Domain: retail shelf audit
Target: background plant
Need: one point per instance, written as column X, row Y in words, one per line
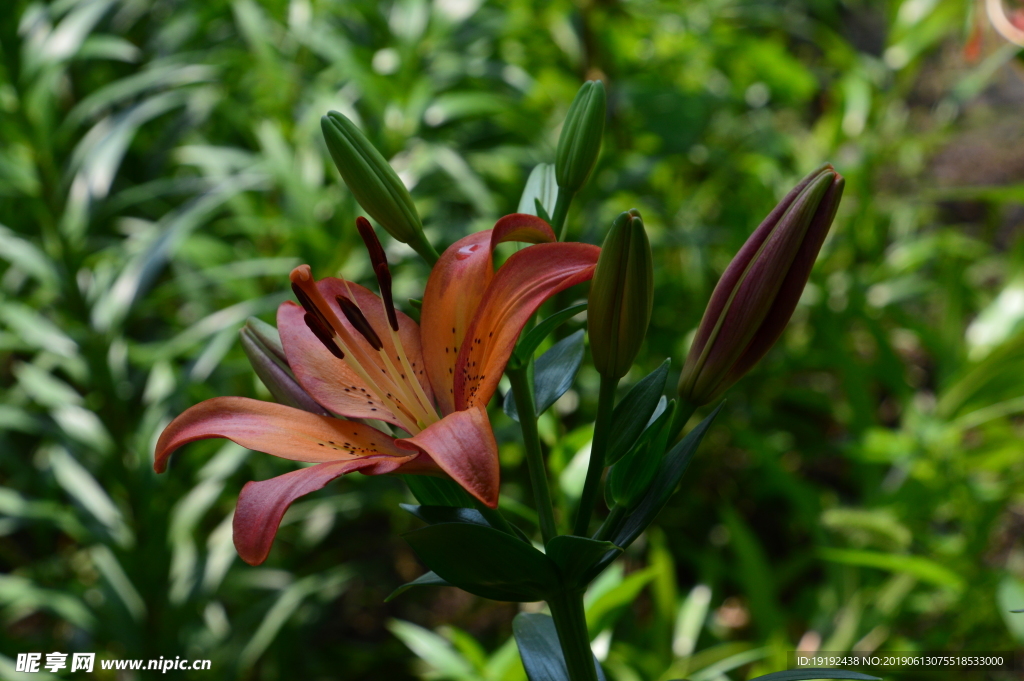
column 162, row 170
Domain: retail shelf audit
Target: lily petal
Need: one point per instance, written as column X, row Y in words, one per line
column 462, row 445
column 275, row 429
column 523, row 283
column 327, row 379
column 454, row 291
column 261, row 505
column 373, row 308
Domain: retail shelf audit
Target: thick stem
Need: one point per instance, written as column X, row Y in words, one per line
column 522, row 389
column 571, row 624
column 561, row 211
column 602, row 428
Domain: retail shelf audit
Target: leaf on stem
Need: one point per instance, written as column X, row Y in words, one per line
column 539, row 649
column 634, row 412
column 428, row 579
column 529, row 343
column 485, row 561
column 576, row 558
column 553, row 374
column 669, row 474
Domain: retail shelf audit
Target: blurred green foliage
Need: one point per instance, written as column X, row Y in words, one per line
column 161, row 171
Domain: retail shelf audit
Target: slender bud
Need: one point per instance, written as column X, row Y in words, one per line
column 759, row 290
column 621, row 296
column 631, row 475
column 374, row 183
column 580, row 141
column 262, row 345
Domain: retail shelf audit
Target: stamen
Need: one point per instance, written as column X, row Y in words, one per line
column 323, row 334
column 358, row 320
column 379, row 261
column 310, row 307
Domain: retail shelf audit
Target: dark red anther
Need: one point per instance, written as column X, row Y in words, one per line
column 356, row 318
column 321, row 332
column 310, row 307
column 379, row 261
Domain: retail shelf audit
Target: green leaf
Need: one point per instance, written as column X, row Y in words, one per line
column 434, row 515
column 669, row 474
column 436, row 651
column 804, row 674
column 576, row 557
column 540, row 192
column 539, row 648
column 633, row 474
column 485, row 561
column 431, row 491
column 606, row 609
column 529, row 343
column 428, row 579
column 553, row 374
column 634, row 412
column 918, row 566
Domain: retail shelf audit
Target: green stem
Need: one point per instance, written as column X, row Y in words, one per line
column 561, row 211
column 522, row 389
column 426, row 250
column 602, row 427
column 571, row 624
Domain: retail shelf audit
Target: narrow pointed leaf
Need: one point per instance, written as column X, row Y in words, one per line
column 669, row 474
column 428, row 579
column 431, row 491
column 576, row 557
column 553, row 374
column 485, row 561
column 542, row 656
column 633, row 413
column 529, row 343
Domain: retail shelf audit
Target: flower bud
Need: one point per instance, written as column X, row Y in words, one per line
column 759, row 290
column 374, row 183
column 621, row 296
column 580, row 141
column 262, row 345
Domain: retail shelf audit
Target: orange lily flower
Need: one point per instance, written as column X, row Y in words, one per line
column 360, row 358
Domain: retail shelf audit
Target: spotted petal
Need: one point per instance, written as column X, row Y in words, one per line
column 462, row 444
column 523, row 283
column 456, row 285
column 275, row 429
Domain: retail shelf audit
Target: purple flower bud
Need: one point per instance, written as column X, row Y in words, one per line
column 759, row 290
column 262, row 345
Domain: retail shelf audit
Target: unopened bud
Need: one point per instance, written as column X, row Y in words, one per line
column 621, row 296
column 759, row 290
column 374, row 183
column 262, row 345
column 580, row 141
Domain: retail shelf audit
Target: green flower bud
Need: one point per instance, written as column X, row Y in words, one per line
column 374, row 183
column 759, row 290
column 262, row 345
column 580, row 141
column 621, row 296
column 631, row 475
